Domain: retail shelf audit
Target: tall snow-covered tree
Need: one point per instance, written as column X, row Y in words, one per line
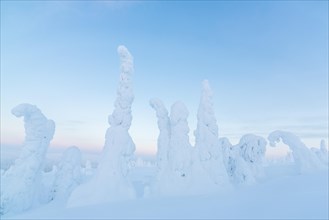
column 207, row 145
column 20, row 183
column 164, row 134
column 180, row 147
column 175, row 177
column 109, row 182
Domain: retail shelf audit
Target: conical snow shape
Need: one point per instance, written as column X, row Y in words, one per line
column 207, row 147
column 109, row 182
column 20, row 183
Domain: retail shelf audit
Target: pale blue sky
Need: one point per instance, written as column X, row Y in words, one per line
column 267, row 62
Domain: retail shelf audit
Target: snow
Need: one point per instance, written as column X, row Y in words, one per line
column 305, row 160
column 174, row 178
column 283, row 196
column 68, row 174
column 211, row 180
column 164, row 135
column 209, row 152
column 20, row 183
column 110, row 177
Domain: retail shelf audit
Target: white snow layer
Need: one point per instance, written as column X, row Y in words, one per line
column 21, row 182
column 109, row 182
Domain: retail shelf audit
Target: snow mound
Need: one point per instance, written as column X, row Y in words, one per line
column 20, row 183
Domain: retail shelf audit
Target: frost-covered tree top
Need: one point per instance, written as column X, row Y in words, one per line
column 122, row 112
column 178, row 113
column 206, row 115
column 164, row 127
column 158, row 106
column 206, row 134
column 36, row 124
column 252, row 147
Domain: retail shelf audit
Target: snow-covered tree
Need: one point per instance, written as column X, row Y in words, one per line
column 68, row 175
column 207, row 145
column 88, row 169
column 164, row 134
column 244, row 161
column 321, row 153
column 180, row 147
column 175, row 177
column 229, row 155
column 304, row 159
column 109, row 182
column 252, row 149
column 21, row 182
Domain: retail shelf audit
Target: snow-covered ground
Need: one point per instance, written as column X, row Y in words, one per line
column 281, row 195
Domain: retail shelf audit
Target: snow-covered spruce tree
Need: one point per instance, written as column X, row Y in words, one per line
column 180, row 148
column 207, row 147
column 305, row 160
column 164, row 134
column 109, row 182
column 321, row 153
column 229, row 156
column 68, row 175
column 252, row 150
column 175, row 177
column 244, row 161
column 21, row 182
